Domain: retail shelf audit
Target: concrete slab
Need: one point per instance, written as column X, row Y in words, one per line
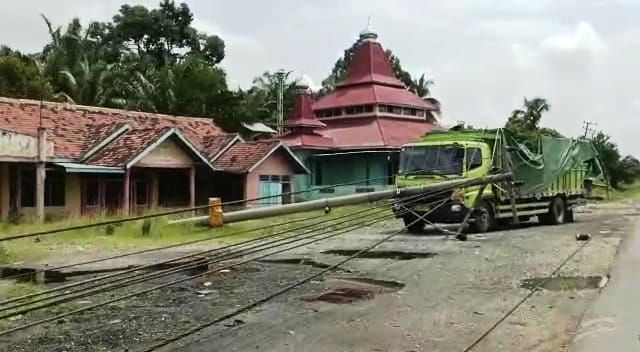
column 612, row 323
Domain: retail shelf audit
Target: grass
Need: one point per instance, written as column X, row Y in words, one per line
column 103, row 241
column 630, row 191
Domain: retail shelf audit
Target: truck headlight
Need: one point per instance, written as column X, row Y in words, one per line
column 456, row 208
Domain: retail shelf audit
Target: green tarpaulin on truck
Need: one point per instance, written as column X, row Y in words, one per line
column 557, row 156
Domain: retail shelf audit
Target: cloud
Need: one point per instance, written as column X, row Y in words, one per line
column 583, row 37
column 485, row 55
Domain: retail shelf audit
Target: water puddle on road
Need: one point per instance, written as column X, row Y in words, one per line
column 563, row 283
column 395, row 255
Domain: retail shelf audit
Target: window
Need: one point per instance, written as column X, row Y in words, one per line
column 406, row 111
column 396, row 110
column 54, row 189
column 368, row 108
column 474, row 158
column 431, row 160
column 274, row 178
column 28, row 187
column 264, row 177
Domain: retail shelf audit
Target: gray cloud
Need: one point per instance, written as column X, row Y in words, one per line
column 485, row 55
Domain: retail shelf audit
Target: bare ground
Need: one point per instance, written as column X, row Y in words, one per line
column 446, row 295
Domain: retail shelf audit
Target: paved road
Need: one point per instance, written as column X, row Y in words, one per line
column 612, row 323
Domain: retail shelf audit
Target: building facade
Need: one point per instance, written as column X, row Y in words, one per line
column 353, row 135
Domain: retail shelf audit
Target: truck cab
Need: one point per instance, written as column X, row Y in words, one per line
column 438, row 158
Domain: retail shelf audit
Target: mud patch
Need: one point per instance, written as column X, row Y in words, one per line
column 395, row 255
column 563, row 283
column 345, row 290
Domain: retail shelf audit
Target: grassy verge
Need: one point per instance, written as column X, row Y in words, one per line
column 105, row 240
column 631, row 191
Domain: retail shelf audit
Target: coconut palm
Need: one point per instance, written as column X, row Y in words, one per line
column 422, row 86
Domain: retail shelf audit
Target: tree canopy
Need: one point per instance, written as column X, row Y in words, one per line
column 143, row 59
column 20, row 76
column 524, row 123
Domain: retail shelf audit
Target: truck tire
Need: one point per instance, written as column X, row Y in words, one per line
column 412, row 225
column 570, row 217
column 483, row 219
column 557, row 213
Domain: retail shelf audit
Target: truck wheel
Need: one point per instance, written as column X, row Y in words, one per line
column 570, row 216
column 557, row 213
column 412, row 225
column 483, row 220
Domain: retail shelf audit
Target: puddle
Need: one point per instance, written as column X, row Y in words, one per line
column 343, row 295
column 563, row 283
column 301, row 261
column 395, row 255
column 385, row 284
column 345, row 290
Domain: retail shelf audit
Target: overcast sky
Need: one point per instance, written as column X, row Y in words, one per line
column 485, row 55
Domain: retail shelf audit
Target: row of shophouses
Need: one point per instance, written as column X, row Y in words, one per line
column 61, row 160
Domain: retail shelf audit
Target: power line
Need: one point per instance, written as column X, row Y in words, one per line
column 200, row 253
column 138, row 278
column 148, row 250
column 174, row 282
column 191, row 265
column 283, row 290
column 523, row 300
column 184, row 210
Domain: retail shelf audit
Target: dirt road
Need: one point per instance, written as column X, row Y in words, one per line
column 414, row 293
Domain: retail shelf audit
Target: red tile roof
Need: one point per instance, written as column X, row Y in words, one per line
column 370, row 64
column 370, row 80
column 71, row 126
column 307, row 140
column 126, row 147
column 215, row 144
column 303, row 115
column 371, row 94
column 243, row 156
column 375, row 132
column 95, row 134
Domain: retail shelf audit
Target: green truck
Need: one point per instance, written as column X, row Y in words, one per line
column 548, row 184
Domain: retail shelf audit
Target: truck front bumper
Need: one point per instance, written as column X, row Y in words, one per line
column 451, row 212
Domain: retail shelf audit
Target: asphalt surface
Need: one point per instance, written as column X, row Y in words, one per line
column 612, row 323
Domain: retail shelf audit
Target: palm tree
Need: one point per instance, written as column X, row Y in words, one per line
column 421, row 86
column 531, row 113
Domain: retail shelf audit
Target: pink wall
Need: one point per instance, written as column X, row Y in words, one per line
column 277, row 164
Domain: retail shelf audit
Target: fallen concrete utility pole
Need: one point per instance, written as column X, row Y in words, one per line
column 217, row 218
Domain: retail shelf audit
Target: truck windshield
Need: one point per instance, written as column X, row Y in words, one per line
column 431, row 160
